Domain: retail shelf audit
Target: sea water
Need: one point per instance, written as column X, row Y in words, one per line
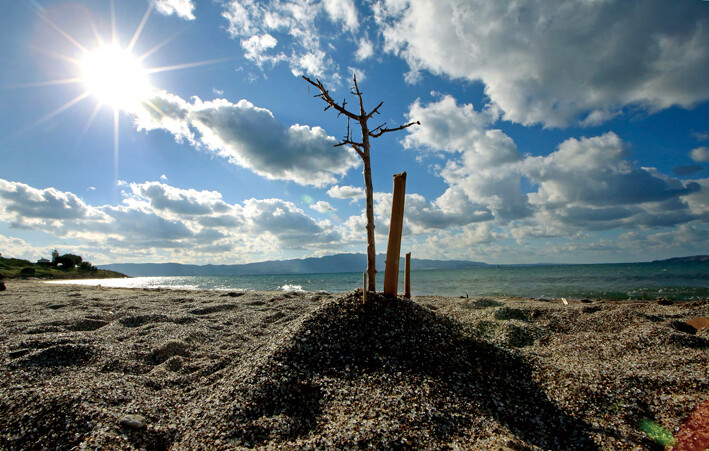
column 676, row 281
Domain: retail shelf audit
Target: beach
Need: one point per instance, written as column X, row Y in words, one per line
column 87, row 367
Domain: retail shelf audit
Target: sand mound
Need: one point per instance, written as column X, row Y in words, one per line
column 387, row 374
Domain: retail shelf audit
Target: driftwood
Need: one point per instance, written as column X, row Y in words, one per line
column 391, row 272
column 362, row 148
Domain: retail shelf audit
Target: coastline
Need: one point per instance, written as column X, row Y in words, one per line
column 169, row 368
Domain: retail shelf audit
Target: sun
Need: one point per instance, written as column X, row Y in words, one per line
column 115, row 77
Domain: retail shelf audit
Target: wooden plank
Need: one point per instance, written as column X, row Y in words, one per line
column 391, row 272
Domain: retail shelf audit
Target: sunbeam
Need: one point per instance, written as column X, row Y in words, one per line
column 104, row 69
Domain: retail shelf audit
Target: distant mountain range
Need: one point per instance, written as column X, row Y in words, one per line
column 330, row 264
column 693, row 258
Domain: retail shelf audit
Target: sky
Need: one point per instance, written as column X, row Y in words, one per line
column 566, row 131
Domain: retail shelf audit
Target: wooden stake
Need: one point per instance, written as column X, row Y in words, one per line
column 364, row 288
column 407, row 277
column 391, row 271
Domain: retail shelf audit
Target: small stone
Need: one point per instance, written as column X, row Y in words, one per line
column 663, row 301
column 2, row 286
column 133, row 421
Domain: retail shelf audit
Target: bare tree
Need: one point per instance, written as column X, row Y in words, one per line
column 362, row 148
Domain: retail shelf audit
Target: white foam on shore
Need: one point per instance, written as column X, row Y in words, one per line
column 296, row 288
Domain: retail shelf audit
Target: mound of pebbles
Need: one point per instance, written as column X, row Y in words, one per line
column 387, row 374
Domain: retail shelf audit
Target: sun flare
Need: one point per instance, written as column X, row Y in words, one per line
column 115, row 77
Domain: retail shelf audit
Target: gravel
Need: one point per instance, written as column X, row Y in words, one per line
column 87, row 368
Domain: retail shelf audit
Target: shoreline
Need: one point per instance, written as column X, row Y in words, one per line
column 172, row 369
column 295, row 283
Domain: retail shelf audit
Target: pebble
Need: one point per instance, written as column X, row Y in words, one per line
column 133, row 421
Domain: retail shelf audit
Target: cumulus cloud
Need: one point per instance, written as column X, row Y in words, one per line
column 594, row 171
column 346, row 192
column 183, row 8
column 294, row 22
column 642, row 54
column 323, row 207
column 180, row 201
column 584, row 184
column 155, row 218
column 27, row 206
column 700, row 154
column 250, row 137
column 487, row 169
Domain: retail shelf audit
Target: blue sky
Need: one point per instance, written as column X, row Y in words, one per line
column 572, row 131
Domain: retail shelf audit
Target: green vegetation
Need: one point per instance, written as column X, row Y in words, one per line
column 66, row 268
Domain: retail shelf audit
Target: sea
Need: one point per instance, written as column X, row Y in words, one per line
column 650, row 281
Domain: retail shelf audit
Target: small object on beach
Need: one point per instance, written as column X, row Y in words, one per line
column 2, row 286
column 565, row 301
column 364, row 288
column 699, row 323
column 663, row 301
column 586, row 301
column 133, row 421
column 100, row 287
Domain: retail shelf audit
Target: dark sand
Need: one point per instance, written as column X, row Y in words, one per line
column 87, row 368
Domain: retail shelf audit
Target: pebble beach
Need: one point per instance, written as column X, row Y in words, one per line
column 86, row 367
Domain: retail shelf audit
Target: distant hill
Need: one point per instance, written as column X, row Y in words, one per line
column 13, row 268
column 693, row 258
column 330, row 264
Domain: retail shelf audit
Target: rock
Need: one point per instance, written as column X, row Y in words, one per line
column 662, row 301
column 586, row 301
column 699, row 323
column 133, row 421
column 2, row 286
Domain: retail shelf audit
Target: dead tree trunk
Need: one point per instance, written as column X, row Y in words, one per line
column 362, row 148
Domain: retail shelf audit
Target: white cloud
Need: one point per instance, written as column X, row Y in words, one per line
column 181, row 202
column 19, row 248
column 256, row 49
column 594, row 172
column 294, row 24
column 163, row 177
column 323, row 207
column 700, row 154
column 156, row 220
column 342, row 11
column 346, row 192
column 488, row 170
column 27, row 206
column 250, row 137
column 641, row 54
column 585, row 184
column 183, row 8
column 364, row 50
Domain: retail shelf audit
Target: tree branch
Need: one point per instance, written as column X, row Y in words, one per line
column 359, row 94
column 375, row 110
column 329, row 100
column 387, row 130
